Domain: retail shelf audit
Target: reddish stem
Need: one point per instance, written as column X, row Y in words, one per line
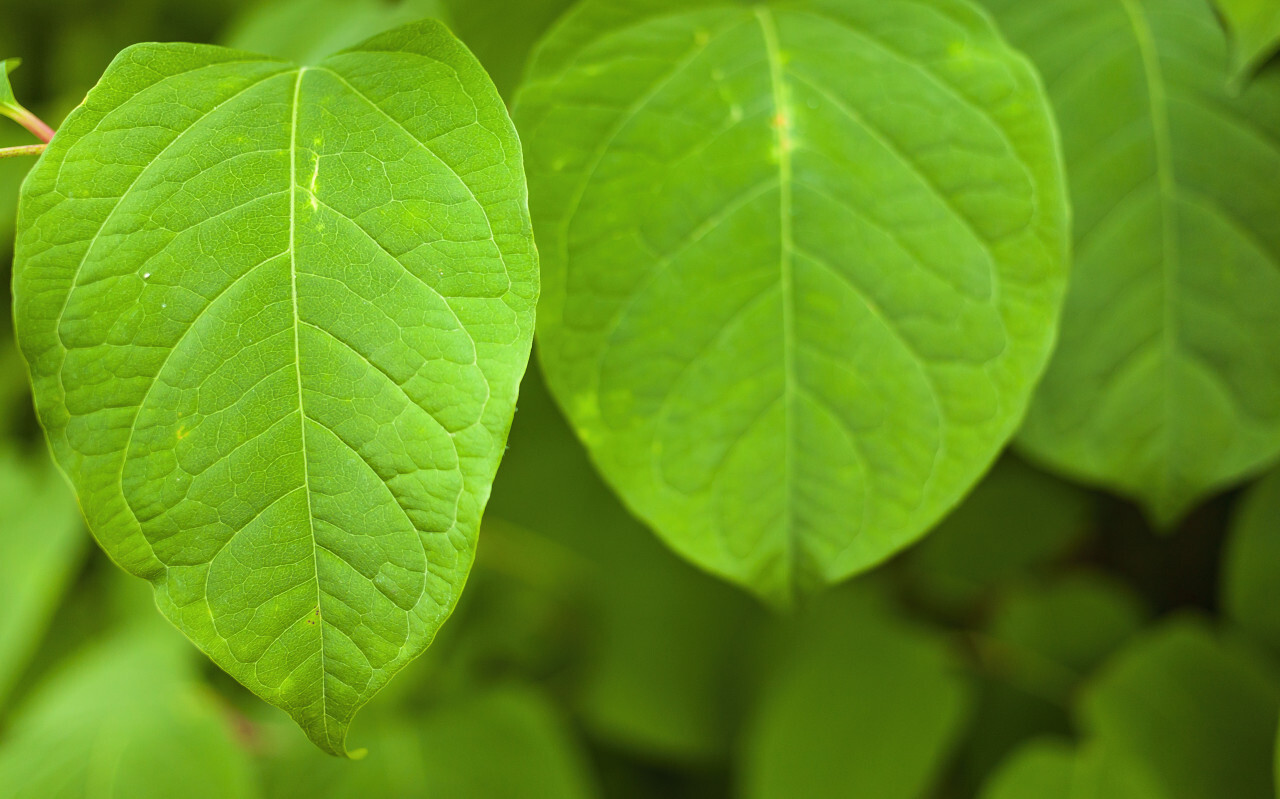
column 34, row 124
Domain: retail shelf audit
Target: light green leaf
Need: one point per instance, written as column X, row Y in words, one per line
column 305, row 31
column 1254, row 26
column 1196, row 711
column 862, row 705
column 1166, row 382
column 41, row 545
column 276, row 320
column 1251, row 565
column 793, row 315
column 125, row 718
column 7, row 100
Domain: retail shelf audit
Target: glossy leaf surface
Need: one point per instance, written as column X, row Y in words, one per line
column 804, row 262
column 276, row 318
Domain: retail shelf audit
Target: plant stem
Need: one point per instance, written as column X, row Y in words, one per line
column 27, row 149
column 36, row 125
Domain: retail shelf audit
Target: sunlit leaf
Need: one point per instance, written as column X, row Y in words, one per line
column 1166, row 382
column 804, row 262
column 276, row 319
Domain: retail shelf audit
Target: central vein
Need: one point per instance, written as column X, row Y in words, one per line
column 782, row 125
column 297, row 363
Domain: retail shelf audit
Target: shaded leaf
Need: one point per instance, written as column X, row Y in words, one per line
column 1166, row 382
column 124, row 718
column 1196, row 711
column 1255, row 35
column 276, row 340
column 1039, row 770
column 305, row 31
column 793, row 319
column 1015, row 521
column 507, row 742
column 1251, row 565
column 42, row 542
column 862, row 705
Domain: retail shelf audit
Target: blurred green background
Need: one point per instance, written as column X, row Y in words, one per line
column 1042, row 631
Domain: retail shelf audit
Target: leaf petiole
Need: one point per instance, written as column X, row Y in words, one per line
column 26, row 149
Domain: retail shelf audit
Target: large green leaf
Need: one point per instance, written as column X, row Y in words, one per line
column 276, row 319
column 1251, row 565
column 1195, row 711
column 504, row 46
column 1255, row 34
column 861, row 705
column 125, row 717
column 804, row 261
column 1166, row 381
column 42, row 543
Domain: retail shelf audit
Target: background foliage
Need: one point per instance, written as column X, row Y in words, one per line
column 1044, row 641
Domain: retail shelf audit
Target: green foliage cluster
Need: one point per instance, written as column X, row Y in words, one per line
column 976, row 302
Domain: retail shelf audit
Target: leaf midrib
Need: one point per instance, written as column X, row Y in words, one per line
column 782, row 124
column 1167, row 182
column 297, row 368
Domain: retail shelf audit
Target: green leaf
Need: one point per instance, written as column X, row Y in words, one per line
column 305, row 31
column 1166, row 383
column 1195, row 710
column 660, row 639
column 123, row 718
column 1251, row 565
column 1039, row 770
column 276, row 319
column 1065, row 628
column 505, row 742
column 7, row 100
column 41, row 545
column 862, row 705
column 1254, row 26
column 1015, row 521
column 793, row 315
column 1049, row 770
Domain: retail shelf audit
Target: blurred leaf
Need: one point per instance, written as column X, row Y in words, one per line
column 255, row 372
column 1017, row 519
column 1251, row 565
column 1255, row 35
column 787, row 377
column 1005, row 716
column 659, row 673
column 862, row 705
column 502, row 33
column 1039, row 770
column 1195, row 710
column 507, row 743
column 1165, row 385
column 124, row 718
column 1051, row 770
column 1056, row 633
column 42, row 543
column 306, row 31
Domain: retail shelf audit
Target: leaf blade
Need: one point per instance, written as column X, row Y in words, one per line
column 283, row 395
column 687, row 187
